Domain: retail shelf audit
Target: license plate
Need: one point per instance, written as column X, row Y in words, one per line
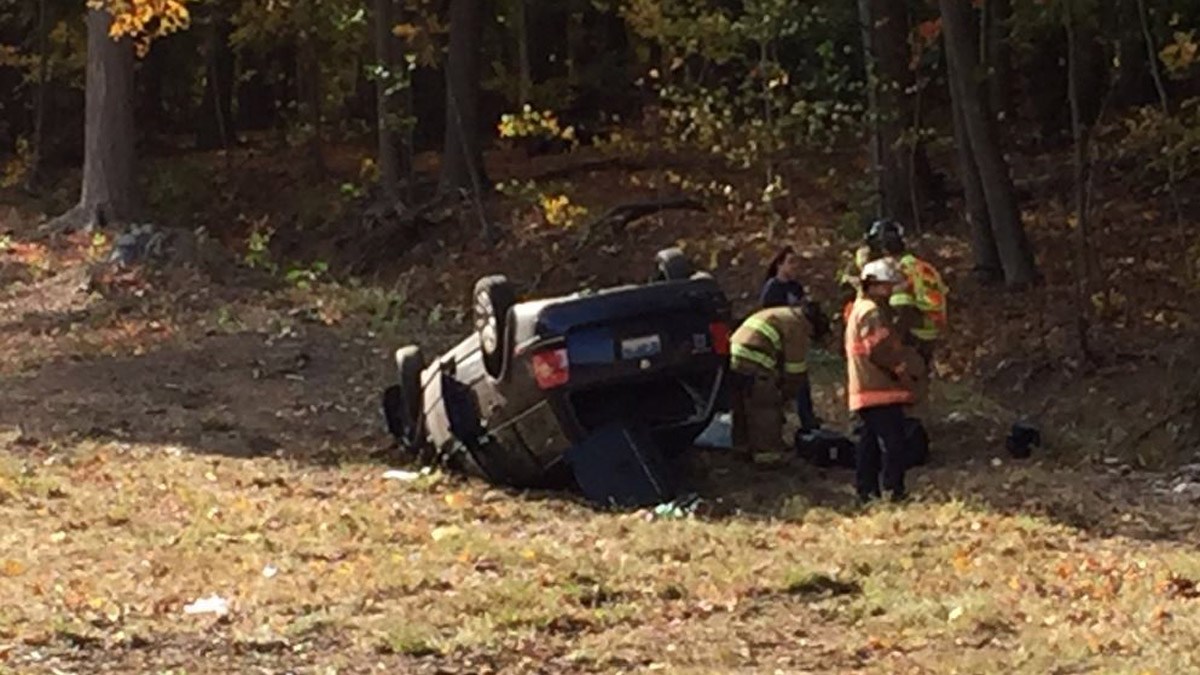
column 641, row 347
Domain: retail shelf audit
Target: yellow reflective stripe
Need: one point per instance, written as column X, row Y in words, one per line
column 928, row 334
column 901, row 299
column 743, row 352
column 766, row 330
column 795, row 367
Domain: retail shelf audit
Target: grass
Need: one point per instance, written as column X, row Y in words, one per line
column 112, row 543
column 328, row 567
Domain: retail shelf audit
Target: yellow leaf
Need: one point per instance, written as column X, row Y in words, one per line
column 440, row 533
column 405, row 31
column 457, row 500
column 12, row 568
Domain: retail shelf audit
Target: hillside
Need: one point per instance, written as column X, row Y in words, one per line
column 175, row 431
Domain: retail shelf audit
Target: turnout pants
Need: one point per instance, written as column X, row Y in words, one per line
column 881, row 450
column 758, row 418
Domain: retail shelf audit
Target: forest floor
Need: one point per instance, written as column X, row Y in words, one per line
column 171, row 434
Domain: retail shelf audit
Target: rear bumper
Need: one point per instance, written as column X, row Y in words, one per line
column 681, row 401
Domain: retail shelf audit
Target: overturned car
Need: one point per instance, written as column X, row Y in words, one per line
column 604, row 387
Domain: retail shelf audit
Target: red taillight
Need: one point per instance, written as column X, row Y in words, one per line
column 551, row 368
column 720, row 337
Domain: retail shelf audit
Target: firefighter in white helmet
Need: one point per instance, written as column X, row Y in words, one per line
column 882, row 377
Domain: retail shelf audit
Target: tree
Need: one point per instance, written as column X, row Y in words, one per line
column 462, row 153
column 890, row 81
column 114, row 32
column 893, row 82
column 386, row 65
column 983, row 243
column 108, row 193
column 215, row 120
column 1012, row 244
column 998, row 52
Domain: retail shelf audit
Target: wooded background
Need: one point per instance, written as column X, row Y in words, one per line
column 751, row 83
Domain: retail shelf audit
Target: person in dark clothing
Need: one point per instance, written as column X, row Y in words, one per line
column 782, row 288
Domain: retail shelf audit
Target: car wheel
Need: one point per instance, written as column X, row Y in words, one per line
column 405, row 418
column 494, row 296
column 672, row 265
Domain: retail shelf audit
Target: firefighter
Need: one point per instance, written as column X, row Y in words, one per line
column 849, row 280
column 880, row 382
column 781, row 288
column 919, row 304
column 769, row 366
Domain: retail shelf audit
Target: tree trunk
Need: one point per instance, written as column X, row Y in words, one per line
column 39, row 103
column 216, row 124
column 308, row 90
column 462, row 153
column 525, row 83
column 1016, row 255
column 999, row 58
column 983, row 242
column 109, row 192
column 902, row 196
column 385, row 113
column 875, row 152
column 1084, row 273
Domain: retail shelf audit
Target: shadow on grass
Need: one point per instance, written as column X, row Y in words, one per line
column 313, row 398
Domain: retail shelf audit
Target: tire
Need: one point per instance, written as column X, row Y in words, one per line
column 493, row 297
column 406, row 415
column 672, row 265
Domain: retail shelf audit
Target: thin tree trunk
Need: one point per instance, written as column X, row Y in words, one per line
column 983, row 242
column 385, row 114
column 39, row 105
column 109, row 192
column 462, row 156
column 1165, row 106
column 308, row 85
column 216, row 124
column 999, row 58
column 902, row 191
column 1016, row 254
column 875, row 151
column 1085, row 270
column 408, row 150
column 525, row 84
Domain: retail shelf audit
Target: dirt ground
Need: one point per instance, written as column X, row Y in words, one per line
column 165, row 436
column 174, row 432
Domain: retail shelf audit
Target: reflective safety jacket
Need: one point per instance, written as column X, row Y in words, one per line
column 878, row 362
column 924, row 297
column 773, row 341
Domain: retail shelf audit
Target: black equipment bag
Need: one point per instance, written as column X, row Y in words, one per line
column 825, row 448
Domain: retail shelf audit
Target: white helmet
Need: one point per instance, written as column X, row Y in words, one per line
column 884, row 270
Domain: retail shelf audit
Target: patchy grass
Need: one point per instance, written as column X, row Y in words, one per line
column 106, row 543
column 216, row 441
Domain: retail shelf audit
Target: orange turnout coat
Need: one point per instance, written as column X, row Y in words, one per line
column 880, row 366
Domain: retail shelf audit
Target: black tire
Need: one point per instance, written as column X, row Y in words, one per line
column 493, row 298
column 672, row 265
column 406, row 417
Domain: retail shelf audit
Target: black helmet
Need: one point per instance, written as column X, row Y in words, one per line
column 817, row 318
column 886, row 236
